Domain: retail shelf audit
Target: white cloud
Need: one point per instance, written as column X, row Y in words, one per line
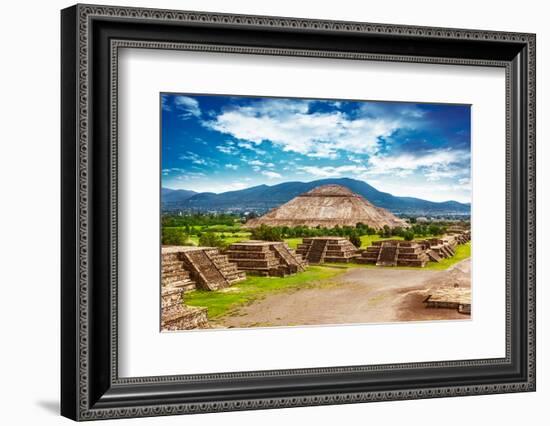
column 187, row 107
column 194, row 158
column 290, row 125
column 260, row 163
column 164, row 103
column 435, row 163
column 432, row 192
column 331, row 171
column 435, row 174
column 270, row 174
column 226, row 149
column 190, row 176
column 251, row 147
column 231, row 166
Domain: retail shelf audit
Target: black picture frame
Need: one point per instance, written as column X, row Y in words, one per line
column 90, row 386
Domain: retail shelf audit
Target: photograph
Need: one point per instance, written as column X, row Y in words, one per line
column 279, row 212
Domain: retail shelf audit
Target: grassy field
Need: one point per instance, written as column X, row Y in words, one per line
column 223, row 302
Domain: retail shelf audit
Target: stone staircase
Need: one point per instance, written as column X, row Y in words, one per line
column 227, row 269
column 174, row 273
column 289, row 258
column 203, row 266
column 327, row 249
column 388, row 255
column 317, row 251
column 433, row 256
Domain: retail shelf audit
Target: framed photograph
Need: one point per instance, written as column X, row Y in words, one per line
column 263, row 212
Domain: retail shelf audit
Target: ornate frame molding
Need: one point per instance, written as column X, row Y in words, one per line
column 78, row 24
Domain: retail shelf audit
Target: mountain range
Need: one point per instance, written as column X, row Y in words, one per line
column 265, row 197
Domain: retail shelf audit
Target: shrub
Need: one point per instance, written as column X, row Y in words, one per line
column 408, row 235
column 355, row 239
column 267, row 233
column 210, row 239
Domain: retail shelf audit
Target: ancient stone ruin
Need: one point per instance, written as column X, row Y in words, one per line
column 177, row 316
column 327, row 249
column 175, row 281
column 462, row 235
column 265, row 258
column 413, row 253
column 186, row 269
column 328, row 206
column 444, row 247
column 207, row 267
column 458, row 298
column 395, row 253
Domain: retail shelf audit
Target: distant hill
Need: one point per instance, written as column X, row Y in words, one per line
column 176, row 196
column 265, row 197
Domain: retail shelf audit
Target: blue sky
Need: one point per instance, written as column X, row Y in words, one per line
column 219, row 143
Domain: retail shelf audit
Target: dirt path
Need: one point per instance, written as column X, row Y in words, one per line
column 361, row 295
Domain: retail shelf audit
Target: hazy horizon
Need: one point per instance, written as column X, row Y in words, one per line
column 295, row 181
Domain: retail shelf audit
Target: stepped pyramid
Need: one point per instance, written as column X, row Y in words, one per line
column 327, row 249
column 175, row 281
column 205, row 266
column 266, row 258
column 396, row 253
column 328, row 206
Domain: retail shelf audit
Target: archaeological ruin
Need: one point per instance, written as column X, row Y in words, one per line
column 445, row 246
column 188, row 268
column 458, row 298
column 328, row 206
column 265, row 258
column 177, row 316
column 327, row 249
column 413, row 253
column 395, row 253
column 206, row 266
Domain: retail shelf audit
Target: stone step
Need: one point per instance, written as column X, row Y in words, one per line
column 236, row 277
column 173, row 266
column 174, row 279
column 170, row 257
column 185, row 285
column 173, row 272
column 365, row 260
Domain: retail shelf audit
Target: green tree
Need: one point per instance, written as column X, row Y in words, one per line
column 174, row 237
column 408, row 235
column 355, row 239
column 267, row 233
column 211, row 239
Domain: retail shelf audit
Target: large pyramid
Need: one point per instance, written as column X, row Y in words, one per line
column 328, row 206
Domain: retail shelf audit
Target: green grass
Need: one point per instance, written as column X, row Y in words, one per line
column 367, row 240
column 293, row 242
column 222, row 302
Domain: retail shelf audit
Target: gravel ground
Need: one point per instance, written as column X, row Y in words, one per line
column 361, row 295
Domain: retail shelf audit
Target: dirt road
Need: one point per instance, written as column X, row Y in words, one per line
column 360, row 295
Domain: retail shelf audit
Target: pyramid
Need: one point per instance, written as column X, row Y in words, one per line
column 328, row 206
